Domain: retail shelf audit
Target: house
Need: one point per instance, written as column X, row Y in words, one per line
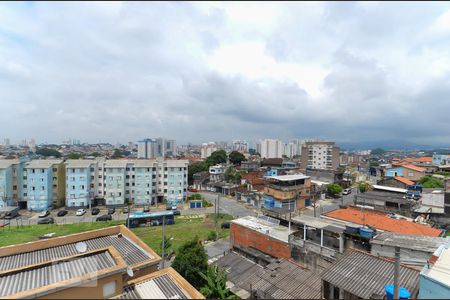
column 407, row 171
column 253, row 180
column 382, row 221
column 272, row 162
column 415, row 249
column 396, row 181
column 359, row 275
column 291, row 192
column 81, row 182
column 217, row 173
column 435, row 277
column 250, row 165
column 200, row 180
column 93, row 264
column 263, row 233
column 46, row 184
column 280, row 279
column 388, row 199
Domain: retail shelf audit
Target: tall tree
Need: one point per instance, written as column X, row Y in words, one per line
column 191, row 260
column 236, row 157
column 196, row 167
column 217, row 157
column 48, row 152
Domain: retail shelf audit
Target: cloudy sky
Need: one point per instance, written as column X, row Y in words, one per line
column 350, row 72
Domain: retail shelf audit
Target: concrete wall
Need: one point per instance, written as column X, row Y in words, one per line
column 430, row 289
column 244, row 237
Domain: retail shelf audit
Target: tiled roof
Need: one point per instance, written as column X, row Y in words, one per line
column 381, row 221
column 366, row 276
column 415, row 168
column 419, row 159
column 404, row 180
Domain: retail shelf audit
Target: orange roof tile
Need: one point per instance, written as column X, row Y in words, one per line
column 419, row 159
column 415, row 168
column 381, row 221
column 404, row 180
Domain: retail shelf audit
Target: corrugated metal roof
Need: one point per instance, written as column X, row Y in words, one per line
column 365, row 275
column 281, row 279
column 408, row 241
column 42, row 163
column 130, row 252
column 5, row 163
column 33, row 278
column 161, row 287
column 79, row 163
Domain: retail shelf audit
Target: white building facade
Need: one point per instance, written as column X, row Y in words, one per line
column 271, row 148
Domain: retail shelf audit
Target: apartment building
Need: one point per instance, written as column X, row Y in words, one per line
column 207, row 149
column 144, row 185
column 320, row 155
column 11, row 182
column 271, row 148
column 156, row 147
column 117, row 181
column 287, row 192
column 174, row 187
column 146, row 148
column 82, row 182
column 241, row 146
column 293, row 148
column 46, row 184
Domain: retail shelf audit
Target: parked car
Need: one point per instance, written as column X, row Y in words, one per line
column 111, row 210
column 104, row 218
column 80, row 212
column 125, row 210
column 176, row 212
column 146, row 209
column 225, row 224
column 48, row 220
column 347, row 191
column 194, row 190
column 62, row 213
column 12, row 214
column 44, row 214
column 95, row 211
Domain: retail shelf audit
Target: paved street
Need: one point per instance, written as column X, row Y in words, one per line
column 229, row 206
column 328, row 205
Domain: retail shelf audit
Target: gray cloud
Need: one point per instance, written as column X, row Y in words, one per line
column 123, row 71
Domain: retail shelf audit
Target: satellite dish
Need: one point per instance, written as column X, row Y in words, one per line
column 81, row 247
column 130, row 272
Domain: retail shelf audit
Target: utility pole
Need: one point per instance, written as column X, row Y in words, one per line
column 163, row 240
column 314, row 198
column 217, row 212
column 396, row 272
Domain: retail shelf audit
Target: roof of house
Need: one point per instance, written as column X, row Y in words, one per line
column 439, row 266
column 404, row 180
column 264, row 227
column 366, row 276
column 381, row 221
column 42, row 163
column 79, row 163
column 116, row 163
column 413, row 167
column 289, row 177
column 41, row 279
column 281, row 279
column 144, row 163
column 133, row 251
column 389, row 189
column 318, row 223
column 163, row 284
column 407, row 241
column 5, row 163
column 272, row 162
column 426, row 159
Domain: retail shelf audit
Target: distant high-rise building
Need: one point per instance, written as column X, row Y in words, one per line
column 271, row 148
column 322, row 155
column 146, row 148
column 207, row 149
column 32, row 145
column 156, row 147
column 293, row 148
column 6, row 142
column 241, row 146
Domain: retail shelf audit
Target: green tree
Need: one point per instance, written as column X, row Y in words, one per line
column 378, row 151
column 215, row 284
column 48, row 152
column 334, row 189
column 363, row 187
column 429, row 181
column 96, row 154
column 217, row 157
column 74, row 155
column 232, row 176
column 196, row 167
column 117, row 154
column 167, row 244
column 191, row 259
column 236, row 157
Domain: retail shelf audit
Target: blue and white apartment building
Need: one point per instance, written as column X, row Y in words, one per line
column 81, row 182
column 11, row 182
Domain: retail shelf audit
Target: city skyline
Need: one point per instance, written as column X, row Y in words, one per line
column 209, row 71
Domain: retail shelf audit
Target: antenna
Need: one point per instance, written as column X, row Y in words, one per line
column 130, row 272
column 81, row 247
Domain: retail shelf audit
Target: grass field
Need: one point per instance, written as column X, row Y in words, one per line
column 185, row 228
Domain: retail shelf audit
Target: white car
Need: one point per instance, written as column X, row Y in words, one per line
column 347, row 191
column 80, row 212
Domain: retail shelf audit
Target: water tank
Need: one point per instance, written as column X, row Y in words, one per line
column 366, row 232
column 352, row 229
column 402, row 292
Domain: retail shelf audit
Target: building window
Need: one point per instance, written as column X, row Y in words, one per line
column 42, row 188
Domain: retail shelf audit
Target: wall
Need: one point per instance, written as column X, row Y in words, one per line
column 59, row 192
column 144, row 183
column 114, row 186
column 77, row 186
column 6, row 183
column 39, row 199
column 241, row 236
column 391, row 172
column 412, row 174
column 430, row 289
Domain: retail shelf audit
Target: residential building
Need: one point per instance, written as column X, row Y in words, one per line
column 441, row 159
column 250, row 165
column 396, row 181
column 207, row 149
column 415, row 250
column 359, row 275
column 81, row 182
column 263, row 233
column 381, row 221
column 272, row 162
column 407, row 171
column 106, row 263
column 217, row 173
column 117, row 174
column 293, row 148
column 174, row 187
column 238, row 145
column 271, row 148
column 287, row 192
column 170, row 148
column 387, row 199
column 46, row 184
column 147, row 148
column 200, row 180
column 435, row 276
column 156, row 147
column 279, row 279
column 11, row 181
column 320, row 155
column 144, row 185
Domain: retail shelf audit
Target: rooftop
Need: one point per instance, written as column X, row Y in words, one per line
column 42, row 163
column 163, row 284
column 439, row 270
column 433, row 199
column 415, row 168
column 318, row 223
column 413, row 242
column 365, row 275
column 289, row 177
column 404, row 180
column 265, row 227
column 389, row 189
column 116, row 163
column 134, row 252
column 144, row 163
column 381, row 221
column 79, row 163
column 5, row 163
